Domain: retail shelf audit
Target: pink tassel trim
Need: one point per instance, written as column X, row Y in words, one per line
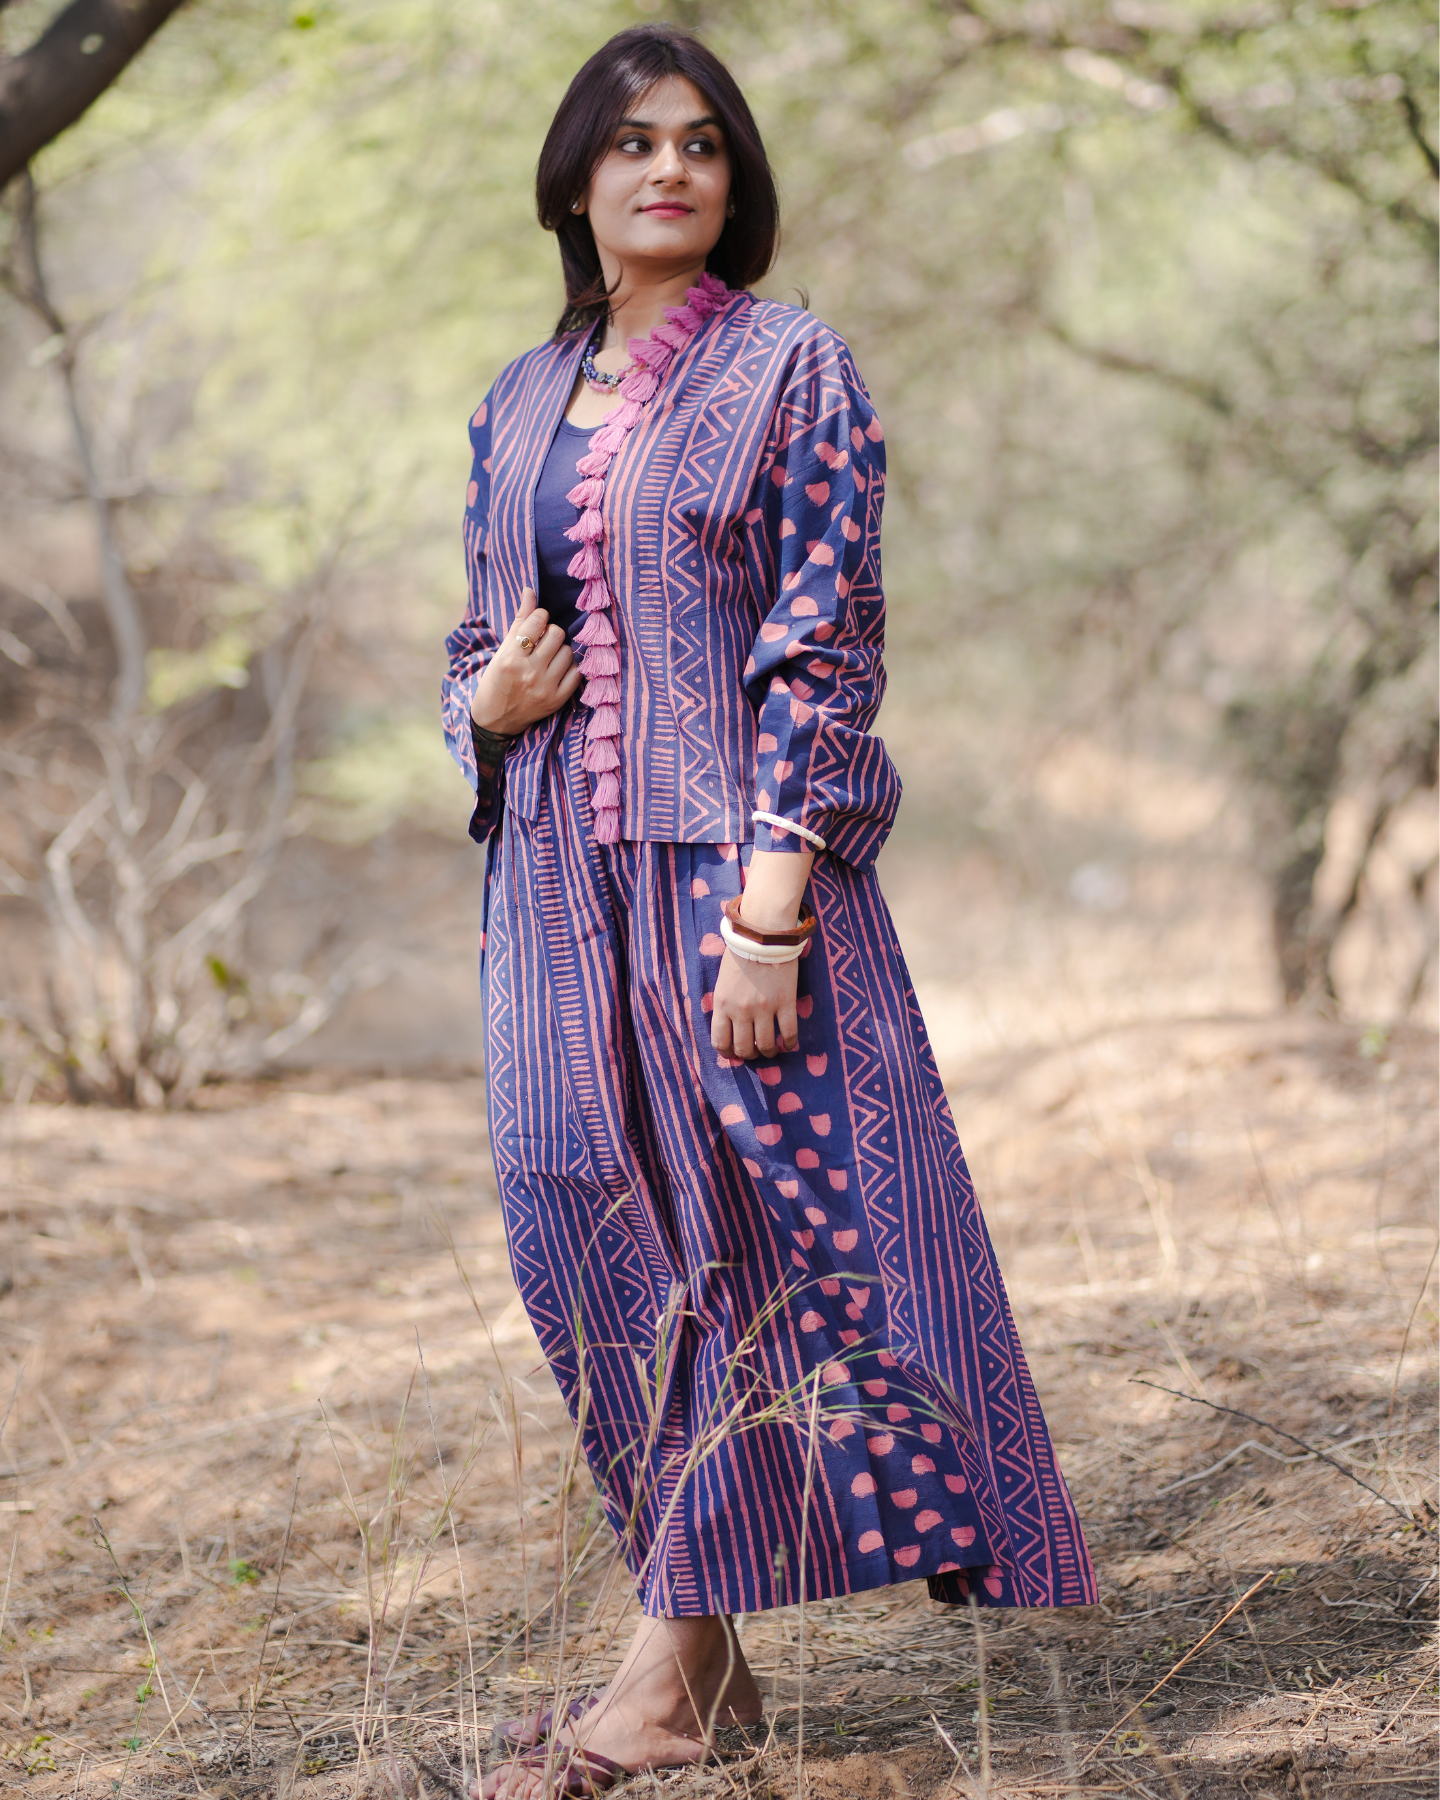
column 639, row 387
column 594, row 596
column 597, row 629
column 600, row 754
column 652, row 357
column 604, row 722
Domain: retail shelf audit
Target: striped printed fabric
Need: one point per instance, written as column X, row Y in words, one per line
column 765, row 1288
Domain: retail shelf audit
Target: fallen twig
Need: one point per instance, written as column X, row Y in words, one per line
column 1290, row 1437
column 1395, row 1718
column 1175, row 1670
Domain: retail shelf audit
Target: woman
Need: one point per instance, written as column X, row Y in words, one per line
column 737, row 1209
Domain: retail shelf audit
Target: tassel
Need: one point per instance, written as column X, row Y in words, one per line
column 602, row 660
column 605, row 722
column 586, row 564
column 672, row 335
column 599, row 754
column 589, row 528
column 593, row 464
column 684, row 318
column 607, row 793
column 597, row 629
column 608, row 438
column 625, row 415
column 639, row 387
column 607, row 826
column 589, row 493
column 594, row 597
column 604, row 690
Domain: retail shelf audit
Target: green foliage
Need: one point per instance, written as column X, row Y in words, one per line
column 1145, row 294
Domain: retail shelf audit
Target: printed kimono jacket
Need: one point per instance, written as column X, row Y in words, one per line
column 743, row 552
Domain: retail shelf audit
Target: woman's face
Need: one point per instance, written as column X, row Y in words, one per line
column 658, row 199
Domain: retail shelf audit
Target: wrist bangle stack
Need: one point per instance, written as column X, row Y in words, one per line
column 752, row 945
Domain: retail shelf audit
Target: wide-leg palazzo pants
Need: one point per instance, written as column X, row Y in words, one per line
column 765, row 1288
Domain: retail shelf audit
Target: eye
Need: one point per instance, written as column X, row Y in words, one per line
column 702, row 146
column 634, row 141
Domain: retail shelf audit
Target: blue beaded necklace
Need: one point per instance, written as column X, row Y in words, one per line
column 597, row 378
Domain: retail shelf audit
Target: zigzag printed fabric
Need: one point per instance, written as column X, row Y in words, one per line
column 765, row 1289
column 741, row 553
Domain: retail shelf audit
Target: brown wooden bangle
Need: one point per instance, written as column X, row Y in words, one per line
column 805, row 929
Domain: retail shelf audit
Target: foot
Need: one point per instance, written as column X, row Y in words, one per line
column 681, row 1679
column 526, row 1731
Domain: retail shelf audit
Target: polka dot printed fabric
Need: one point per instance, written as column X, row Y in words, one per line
column 892, row 1447
column 717, row 1253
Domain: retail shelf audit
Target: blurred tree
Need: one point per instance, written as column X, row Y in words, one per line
column 1149, row 293
column 1145, row 293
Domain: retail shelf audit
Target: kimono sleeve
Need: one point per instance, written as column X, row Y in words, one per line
column 473, row 642
column 816, row 675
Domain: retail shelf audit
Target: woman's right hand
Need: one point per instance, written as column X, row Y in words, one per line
column 521, row 686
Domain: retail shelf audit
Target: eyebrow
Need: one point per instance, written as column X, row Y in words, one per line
column 648, row 125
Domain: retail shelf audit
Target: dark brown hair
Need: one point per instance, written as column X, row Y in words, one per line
column 581, row 132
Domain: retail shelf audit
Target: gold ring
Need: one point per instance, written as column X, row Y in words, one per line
column 527, row 644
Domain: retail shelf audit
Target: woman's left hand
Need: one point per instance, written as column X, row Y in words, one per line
column 754, row 1008
column 754, row 1012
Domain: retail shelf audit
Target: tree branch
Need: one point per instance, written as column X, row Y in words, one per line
column 46, row 88
column 122, row 611
column 1120, row 363
column 1416, row 126
column 1290, row 1437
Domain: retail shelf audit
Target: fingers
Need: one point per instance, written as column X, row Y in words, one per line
column 788, row 1021
column 765, row 1034
column 551, row 645
column 532, row 622
column 529, row 603
column 742, row 1033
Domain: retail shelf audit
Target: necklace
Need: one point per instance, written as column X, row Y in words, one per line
column 637, row 383
column 597, row 378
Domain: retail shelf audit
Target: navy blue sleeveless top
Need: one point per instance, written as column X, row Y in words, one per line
column 554, row 515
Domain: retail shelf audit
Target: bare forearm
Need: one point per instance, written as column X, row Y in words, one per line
column 774, row 888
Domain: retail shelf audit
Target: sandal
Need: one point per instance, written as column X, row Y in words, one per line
column 510, row 1733
column 576, row 1774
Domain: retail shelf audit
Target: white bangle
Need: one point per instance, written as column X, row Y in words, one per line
column 767, row 818
column 749, row 951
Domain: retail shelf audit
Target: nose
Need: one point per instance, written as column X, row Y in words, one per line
column 667, row 164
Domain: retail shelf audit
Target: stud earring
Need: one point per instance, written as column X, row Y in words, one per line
column 730, row 210
column 575, row 206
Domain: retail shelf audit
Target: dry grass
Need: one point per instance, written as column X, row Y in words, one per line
column 256, row 1548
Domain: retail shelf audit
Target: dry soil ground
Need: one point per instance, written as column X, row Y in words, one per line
column 256, row 1548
